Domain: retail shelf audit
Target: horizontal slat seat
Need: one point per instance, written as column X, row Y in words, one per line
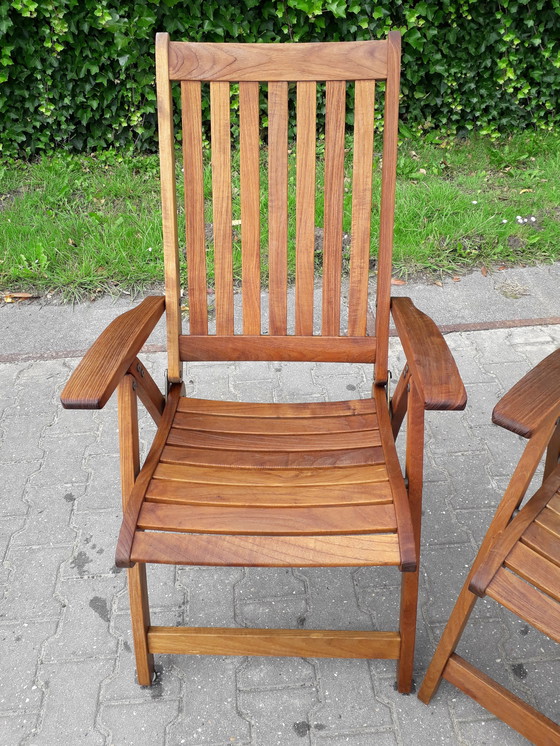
column 266, row 551
column 265, row 477
column 534, row 568
column 275, row 426
column 352, row 519
column 247, row 472
column 535, row 607
column 262, row 442
column 162, row 490
column 274, row 459
column 283, row 410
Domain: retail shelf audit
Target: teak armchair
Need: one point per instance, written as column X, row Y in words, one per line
column 518, row 564
column 294, row 484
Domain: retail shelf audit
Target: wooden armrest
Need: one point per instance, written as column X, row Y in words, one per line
column 428, row 357
column 532, row 400
column 111, row 355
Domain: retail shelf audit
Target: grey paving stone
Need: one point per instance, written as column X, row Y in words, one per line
column 347, row 700
column 72, row 690
column 488, row 730
column 210, row 593
column 56, row 470
column 278, row 717
column 21, row 437
column 87, row 605
column 93, row 551
column 32, row 581
column 204, row 720
column 20, row 649
column 14, row 477
column 332, row 600
column 136, row 723
column 16, row 727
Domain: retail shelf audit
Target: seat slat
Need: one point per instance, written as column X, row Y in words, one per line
column 554, row 504
column 278, row 206
column 266, row 551
column 294, row 478
column 334, row 189
column 279, row 460
column 234, row 62
column 535, row 569
column 305, row 205
column 550, row 520
column 527, row 602
column 194, row 207
column 275, row 411
column 221, row 193
column 351, row 519
column 275, row 426
column 361, row 206
column 263, row 443
column 250, row 206
column 167, row 491
column 543, row 542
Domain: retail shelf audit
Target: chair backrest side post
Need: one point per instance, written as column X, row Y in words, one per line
column 388, row 186
column 168, row 207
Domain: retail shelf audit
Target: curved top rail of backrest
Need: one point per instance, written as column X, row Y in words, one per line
column 358, row 60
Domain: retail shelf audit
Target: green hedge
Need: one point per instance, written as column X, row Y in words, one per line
column 79, row 73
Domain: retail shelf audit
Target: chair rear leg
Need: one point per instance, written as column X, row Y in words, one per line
column 410, row 580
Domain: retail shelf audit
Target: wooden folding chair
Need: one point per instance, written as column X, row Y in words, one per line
column 294, row 484
column 518, row 564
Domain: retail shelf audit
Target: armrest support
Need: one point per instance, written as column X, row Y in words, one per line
column 428, row 357
column 111, row 355
column 532, row 400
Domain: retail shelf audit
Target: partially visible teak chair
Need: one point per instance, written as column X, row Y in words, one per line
column 294, row 484
column 518, row 564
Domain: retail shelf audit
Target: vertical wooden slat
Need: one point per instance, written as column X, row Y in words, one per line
column 137, row 582
column 388, row 184
column 334, row 190
column 194, row 206
column 168, row 206
column 278, row 206
column 221, row 193
column 305, row 205
column 361, row 206
column 250, row 206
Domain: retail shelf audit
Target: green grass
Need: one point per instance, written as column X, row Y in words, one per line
column 91, row 224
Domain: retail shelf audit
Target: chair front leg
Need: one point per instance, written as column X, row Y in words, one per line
column 409, row 588
column 137, row 582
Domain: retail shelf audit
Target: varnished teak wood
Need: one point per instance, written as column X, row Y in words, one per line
column 279, row 485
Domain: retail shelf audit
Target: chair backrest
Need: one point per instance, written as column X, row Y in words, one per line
column 246, row 66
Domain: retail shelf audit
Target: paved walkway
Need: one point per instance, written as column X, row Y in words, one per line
column 65, row 645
